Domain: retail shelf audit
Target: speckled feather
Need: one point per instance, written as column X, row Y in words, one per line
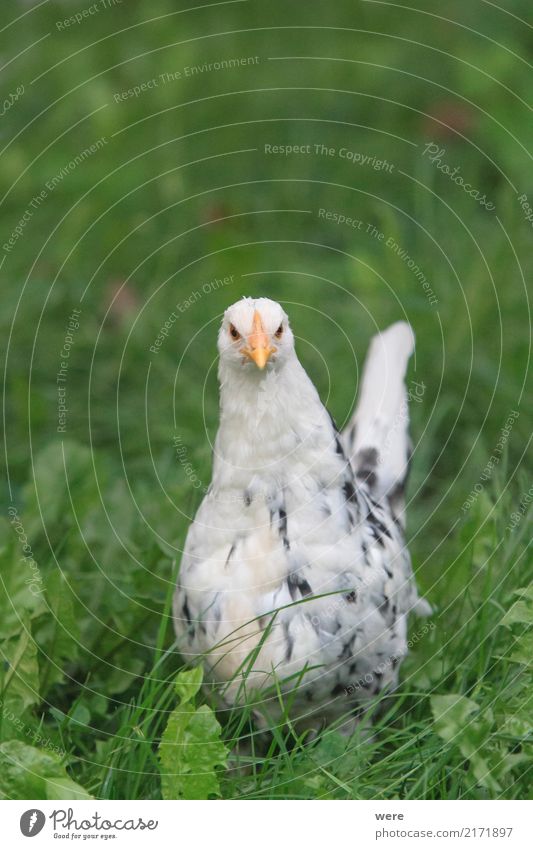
column 295, row 568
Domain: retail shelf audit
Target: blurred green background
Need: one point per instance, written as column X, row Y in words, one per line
column 137, row 169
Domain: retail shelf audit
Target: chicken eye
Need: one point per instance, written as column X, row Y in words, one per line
column 234, row 333
column 279, row 332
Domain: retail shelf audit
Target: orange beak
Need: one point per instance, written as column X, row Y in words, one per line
column 258, row 348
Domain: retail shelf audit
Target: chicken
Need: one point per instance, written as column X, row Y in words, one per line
column 295, row 577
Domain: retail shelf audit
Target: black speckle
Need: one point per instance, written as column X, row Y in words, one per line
column 282, row 519
column 280, row 515
column 290, row 641
column 304, row 587
column 186, row 611
column 351, row 596
column 384, row 606
column 349, row 491
column 297, row 582
column 377, row 536
column 338, row 444
column 377, row 528
column 230, row 554
column 248, row 498
column 347, row 650
column 368, row 477
column 366, row 462
column 187, row 616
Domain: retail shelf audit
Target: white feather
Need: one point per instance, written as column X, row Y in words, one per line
column 381, row 419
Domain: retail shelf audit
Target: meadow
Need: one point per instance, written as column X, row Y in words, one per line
column 361, row 162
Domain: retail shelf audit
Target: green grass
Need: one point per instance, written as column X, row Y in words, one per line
column 183, row 195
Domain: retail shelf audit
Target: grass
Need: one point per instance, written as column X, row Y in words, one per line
column 181, row 193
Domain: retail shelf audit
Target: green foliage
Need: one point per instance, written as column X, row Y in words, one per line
column 496, row 738
column 521, row 610
column 191, row 750
column 30, row 773
column 57, row 633
column 19, row 592
column 458, row 721
column 20, row 679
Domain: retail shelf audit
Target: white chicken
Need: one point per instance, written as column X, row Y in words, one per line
column 295, row 578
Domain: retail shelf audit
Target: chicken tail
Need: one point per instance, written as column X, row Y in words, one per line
column 377, row 437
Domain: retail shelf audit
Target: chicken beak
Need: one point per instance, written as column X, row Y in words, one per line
column 258, row 348
column 260, row 356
